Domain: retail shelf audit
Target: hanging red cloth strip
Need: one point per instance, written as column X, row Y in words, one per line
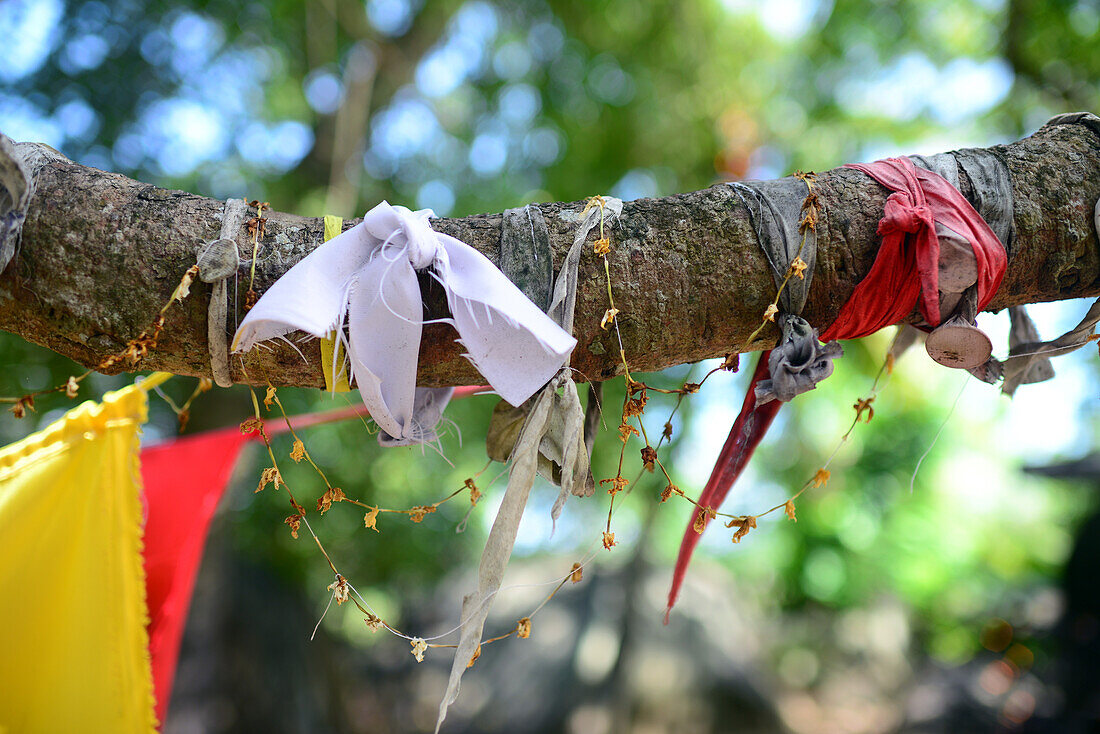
column 906, row 269
column 184, row 481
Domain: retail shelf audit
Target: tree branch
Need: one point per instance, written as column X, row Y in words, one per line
column 101, row 253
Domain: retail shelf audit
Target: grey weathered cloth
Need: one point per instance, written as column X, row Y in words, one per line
column 775, row 210
column 217, row 261
column 1025, row 359
column 15, row 192
column 525, row 255
column 797, row 363
column 550, row 439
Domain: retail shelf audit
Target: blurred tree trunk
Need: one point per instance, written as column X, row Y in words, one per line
column 101, row 254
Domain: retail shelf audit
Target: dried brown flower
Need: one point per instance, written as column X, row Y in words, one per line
column 602, row 246
column 798, row 268
column 618, row 484
column 608, row 318
column 269, row 398
column 332, row 494
column 608, row 540
column 72, row 387
column 270, row 475
column 821, row 478
column 626, row 430
column 743, row 525
column 295, row 523
column 474, row 657
column 417, row 513
column 373, row 623
column 370, row 520
column 298, row 450
column 770, row 312
column 864, row 405
column 419, row 647
column 475, row 493
column 251, row 425
column 25, row 403
column 577, row 573
column 523, row 628
column 704, row 516
column 339, row 589
column 649, row 457
column 789, row 509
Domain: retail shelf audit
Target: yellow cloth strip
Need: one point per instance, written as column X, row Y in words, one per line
column 74, row 652
column 330, row 348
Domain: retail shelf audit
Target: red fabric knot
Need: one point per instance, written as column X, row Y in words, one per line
column 901, row 215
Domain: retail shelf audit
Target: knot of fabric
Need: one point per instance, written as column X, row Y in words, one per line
column 906, row 271
column 901, row 215
column 365, row 279
column 411, row 234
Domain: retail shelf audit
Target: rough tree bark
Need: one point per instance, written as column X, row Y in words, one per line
column 100, row 254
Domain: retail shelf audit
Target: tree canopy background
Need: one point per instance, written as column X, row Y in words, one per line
column 885, row 607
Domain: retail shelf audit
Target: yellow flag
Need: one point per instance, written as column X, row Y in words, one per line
column 330, row 348
column 73, row 643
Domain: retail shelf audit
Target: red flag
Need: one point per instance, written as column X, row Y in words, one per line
column 184, row 481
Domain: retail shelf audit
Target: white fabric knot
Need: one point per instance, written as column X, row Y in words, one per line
column 366, row 279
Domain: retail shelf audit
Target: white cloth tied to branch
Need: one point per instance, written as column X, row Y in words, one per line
column 366, row 278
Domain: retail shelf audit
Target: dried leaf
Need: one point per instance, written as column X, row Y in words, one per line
column 523, row 628
column 298, row 451
column 370, row 520
column 417, row 513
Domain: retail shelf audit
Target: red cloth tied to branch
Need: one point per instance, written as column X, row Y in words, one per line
column 905, row 274
column 907, row 265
